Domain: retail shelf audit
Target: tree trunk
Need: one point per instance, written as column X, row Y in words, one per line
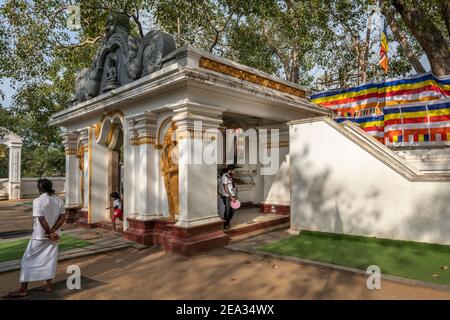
column 401, row 38
column 428, row 35
column 295, row 65
column 445, row 10
column 365, row 60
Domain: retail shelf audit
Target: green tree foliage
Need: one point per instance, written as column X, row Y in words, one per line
column 429, row 22
column 40, row 56
column 3, row 162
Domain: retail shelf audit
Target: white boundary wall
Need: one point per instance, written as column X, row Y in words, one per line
column 28, row 187
column 343, row 181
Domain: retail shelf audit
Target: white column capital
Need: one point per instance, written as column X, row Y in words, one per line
column 69, row 136
column 84, row 136
column 70, row 141
column 14, row 144
column 187, row 114
column 144, row 124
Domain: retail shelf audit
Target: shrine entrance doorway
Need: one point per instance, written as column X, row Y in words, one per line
column 110, row 138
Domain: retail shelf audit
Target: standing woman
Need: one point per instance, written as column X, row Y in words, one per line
column 40, row 257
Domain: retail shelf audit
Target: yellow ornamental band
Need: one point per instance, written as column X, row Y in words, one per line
column 250, row 77
column 70, row 152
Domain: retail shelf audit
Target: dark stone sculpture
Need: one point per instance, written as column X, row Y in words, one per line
column 112, row 78
column 156, row 45
column 121, row 58
column 80, row 93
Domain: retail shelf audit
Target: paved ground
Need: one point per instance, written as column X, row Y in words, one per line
column 220, row 274
column 101, row 241
column 16, row 223
column 15, row 219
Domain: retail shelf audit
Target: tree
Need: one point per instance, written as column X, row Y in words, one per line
column 422, row 19
column 4, row 162
column 41, row 56
column 294, row 31
column 401, row 37
column 203, row 23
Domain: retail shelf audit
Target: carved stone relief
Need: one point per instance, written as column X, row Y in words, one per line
column 121, row 58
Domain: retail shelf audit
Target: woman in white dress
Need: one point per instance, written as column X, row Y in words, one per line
column 40, row 257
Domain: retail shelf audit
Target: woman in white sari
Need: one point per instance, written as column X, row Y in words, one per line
column 40, row 257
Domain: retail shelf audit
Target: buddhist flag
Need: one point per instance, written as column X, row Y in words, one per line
column 384, row 50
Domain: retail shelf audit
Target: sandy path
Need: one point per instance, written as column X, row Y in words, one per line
column 220, row 274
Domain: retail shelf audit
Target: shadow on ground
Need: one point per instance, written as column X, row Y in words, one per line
column 60, row 290
column 15, row 233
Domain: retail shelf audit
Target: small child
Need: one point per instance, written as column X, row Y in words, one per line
column 117, row 206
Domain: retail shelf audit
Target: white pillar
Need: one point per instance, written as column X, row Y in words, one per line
column 15, row 154
column 98, row 195
column 131, row 149
column 72, row 181
column 147, row 181
column 197, row 181
column 129, row 136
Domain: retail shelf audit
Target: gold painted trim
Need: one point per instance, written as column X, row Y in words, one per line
column 111, row 114
column 110, row 134
column 147, row 140
column 134, row 141
column 160, row 139
column 71, row 152
column 281, row 144
column 117, row 111
column 196, row 135
column 98, row 127
column 90, row 174
column 250, row 77
column 81, row 150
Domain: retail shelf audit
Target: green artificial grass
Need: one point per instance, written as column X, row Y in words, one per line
column 407, row 259
column 27, row 204
column 14, row 249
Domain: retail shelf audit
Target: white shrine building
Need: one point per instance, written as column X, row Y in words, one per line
column 114, row 132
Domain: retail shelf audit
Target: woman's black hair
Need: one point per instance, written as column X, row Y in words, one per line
column 230, row 167
column 46, row 186
column 114, row 195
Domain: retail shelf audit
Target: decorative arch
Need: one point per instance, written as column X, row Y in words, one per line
column 108, row 129
column 236, row 124
column 164, row 125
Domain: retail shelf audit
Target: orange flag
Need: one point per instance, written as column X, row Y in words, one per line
column 384, row 50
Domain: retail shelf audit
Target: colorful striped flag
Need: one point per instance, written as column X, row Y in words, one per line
column 412, row 111
column 384, row 50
